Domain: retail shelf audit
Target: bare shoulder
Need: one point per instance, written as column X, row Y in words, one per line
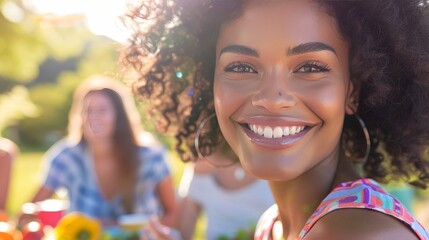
column 360, row 224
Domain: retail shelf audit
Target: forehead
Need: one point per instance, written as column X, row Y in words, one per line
column 97, row 98
column 281, row 23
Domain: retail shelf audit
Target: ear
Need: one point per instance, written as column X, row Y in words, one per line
column 352, row 100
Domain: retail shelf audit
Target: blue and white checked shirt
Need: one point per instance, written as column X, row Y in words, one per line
column 71, row 167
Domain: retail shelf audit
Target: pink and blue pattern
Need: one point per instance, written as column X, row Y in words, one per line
column 363, row 193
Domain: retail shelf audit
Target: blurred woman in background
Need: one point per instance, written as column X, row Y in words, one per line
column 105, row 164
column 231, row 199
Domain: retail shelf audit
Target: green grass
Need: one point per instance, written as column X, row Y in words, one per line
column 27, row 176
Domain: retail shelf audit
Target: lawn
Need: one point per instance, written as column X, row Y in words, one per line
column 27, row 175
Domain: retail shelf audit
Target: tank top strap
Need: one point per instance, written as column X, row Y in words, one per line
column 363, row 193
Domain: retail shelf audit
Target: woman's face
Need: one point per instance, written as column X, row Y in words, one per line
column 98, row 117
column 281, row 87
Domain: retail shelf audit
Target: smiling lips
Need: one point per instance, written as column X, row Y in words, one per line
column 276, row 132
column 95, row 127
column 278, row 136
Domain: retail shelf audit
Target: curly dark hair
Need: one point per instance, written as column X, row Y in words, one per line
column 174, row 54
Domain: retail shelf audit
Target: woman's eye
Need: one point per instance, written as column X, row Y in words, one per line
column 313, row 67
column 238, row 67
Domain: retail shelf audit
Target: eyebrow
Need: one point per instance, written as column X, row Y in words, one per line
column 300, row 49
column 240, row 49
column 310, row 47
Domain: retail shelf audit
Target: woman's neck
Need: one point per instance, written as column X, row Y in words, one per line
column 100, row 149
column 298, row 199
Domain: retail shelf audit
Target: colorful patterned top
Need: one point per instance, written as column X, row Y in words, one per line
column 363, row 193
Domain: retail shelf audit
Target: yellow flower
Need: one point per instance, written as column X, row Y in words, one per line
column 77, row 226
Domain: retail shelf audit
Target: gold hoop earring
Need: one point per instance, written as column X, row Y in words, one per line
column 197, row 144
column 366, row 134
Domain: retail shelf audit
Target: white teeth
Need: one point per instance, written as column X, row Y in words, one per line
column 268, row 132
column 95, row 127
column 292, row 130
column 260, row 131
column 286, row 131
column 276, row 132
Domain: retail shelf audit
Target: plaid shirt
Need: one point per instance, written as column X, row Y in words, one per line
column 70, row 167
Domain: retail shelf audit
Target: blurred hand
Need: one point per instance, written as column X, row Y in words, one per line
column 156, row 231
column 25, row 218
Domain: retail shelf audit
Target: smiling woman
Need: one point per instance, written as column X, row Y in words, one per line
column 305, row 69
column 285, row 80
column 105, row 164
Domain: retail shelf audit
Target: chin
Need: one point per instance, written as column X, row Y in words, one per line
column 270, row 170
column 274, row 175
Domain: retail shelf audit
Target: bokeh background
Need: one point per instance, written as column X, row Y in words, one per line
column 47, row 47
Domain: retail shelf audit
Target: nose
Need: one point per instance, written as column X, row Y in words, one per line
column 275, row 93
column 92, row 114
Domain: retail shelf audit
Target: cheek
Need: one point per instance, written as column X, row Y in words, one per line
column 111, row 120
column 230, row 95
column 325, row 99
column 85, row 119
column 108, row 119
column 222, row 100
column 227, row 101
column 328, row 104
column 221, row 104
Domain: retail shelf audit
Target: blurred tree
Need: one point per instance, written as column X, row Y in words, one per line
column 54, row 99
column 48, row 126
column 20, row 55
column 25, row 42
column 21, row 46
column 16, row 105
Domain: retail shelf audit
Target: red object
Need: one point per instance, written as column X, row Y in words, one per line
column 50, row 218
column 33, row 236
column 49, row 212
column 33, row 231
